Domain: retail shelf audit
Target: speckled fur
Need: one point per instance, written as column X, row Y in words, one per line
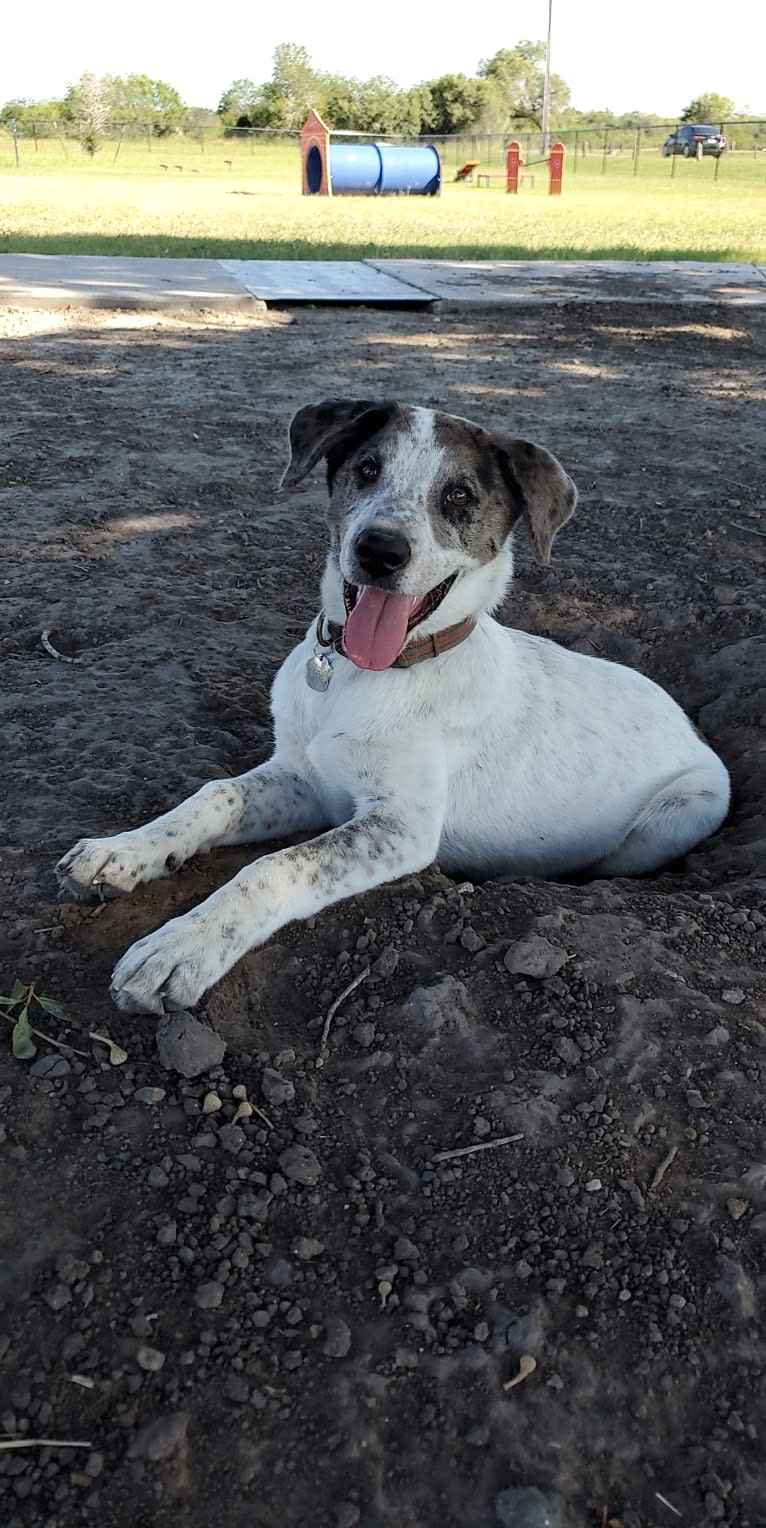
column 506, row 755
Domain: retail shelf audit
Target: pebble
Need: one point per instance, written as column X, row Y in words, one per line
column 161, row 1438
column 306, row 1247
column 275, row 1088
column 58, row 1296
column 733, row 995
column 535, row 956
column 337, row 1338
column 347, row 1514
column 525, row 1507
column 150, row 1359
column 187, row 1046
column 157, row 1177
column 593, row 1185
column 363, row 1034
column 149, row 1095
column 300, row 1164
column 232, row 1138
column 50, row 1067
column 209, row 1296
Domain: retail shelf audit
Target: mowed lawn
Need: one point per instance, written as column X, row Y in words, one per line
column 59, row 200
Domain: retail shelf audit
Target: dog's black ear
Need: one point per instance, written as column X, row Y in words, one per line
column 540, row 489
column 320, row 428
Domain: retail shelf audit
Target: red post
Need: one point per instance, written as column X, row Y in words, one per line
column 556, row 169
column 315, row 157
column 513, row 163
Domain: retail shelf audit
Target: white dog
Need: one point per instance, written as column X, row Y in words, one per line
column 409, row 725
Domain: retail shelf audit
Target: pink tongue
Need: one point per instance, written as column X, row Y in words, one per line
column 376, row 630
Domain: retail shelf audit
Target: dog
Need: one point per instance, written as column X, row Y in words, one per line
column 409, row 725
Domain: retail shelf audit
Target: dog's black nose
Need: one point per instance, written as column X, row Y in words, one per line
column 381, row 552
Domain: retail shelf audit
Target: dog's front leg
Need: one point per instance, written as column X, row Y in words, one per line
column 271, row 801
column 173, row 967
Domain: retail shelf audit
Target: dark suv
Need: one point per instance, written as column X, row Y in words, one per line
column 692, row 142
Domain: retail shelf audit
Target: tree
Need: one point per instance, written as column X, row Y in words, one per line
column 515, row 81
column 153, row 103
column 241, row 98
column 87, row 105
column 457, row 102
column 709, row 108
column 295, row 83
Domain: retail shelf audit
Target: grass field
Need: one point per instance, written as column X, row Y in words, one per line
column 58, row 200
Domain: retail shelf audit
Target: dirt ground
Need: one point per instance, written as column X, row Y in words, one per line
column 226, row 1342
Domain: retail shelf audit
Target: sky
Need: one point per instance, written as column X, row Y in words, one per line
column 654, row 57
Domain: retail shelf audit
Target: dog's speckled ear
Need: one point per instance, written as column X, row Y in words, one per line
column 319, row 428
column 543, row 492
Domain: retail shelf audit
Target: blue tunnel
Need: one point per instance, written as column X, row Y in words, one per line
column 377, row 169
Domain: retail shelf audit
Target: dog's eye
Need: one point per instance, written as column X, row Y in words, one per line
column 457, row 496
column 368, row 469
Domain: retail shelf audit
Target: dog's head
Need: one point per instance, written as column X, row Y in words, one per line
column 420, row 501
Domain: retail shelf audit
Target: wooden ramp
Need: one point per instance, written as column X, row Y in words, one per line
column 324, row 281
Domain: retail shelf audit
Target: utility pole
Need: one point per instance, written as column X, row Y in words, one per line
column 547, row 86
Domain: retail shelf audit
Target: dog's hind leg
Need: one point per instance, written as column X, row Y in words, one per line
column 679, row 816
column 268, row 802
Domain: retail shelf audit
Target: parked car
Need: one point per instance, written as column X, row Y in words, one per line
column 692, row 141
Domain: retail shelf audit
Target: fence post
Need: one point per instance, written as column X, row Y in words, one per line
column 556, row 169
column 513, row 161
column 636, row 150
column 603, row 151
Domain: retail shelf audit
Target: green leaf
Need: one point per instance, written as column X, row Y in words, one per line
column 51, row 1005
column 18, row 991
column 9, row 1002
column 24, row 1048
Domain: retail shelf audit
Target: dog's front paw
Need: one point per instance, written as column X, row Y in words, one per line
column 169, row 969
column 97, row 866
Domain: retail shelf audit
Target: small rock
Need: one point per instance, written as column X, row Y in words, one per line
column 237, row 1388
column 363, row 1034
column 300, row 1164
column 755, row 1178
column 593, row 1185
column 347, row 1514
column 737, row 1208
column 305, row 1247
column 525, row 1507
column 94, row 1464
column 161, row 1438
column 150, row 1359
column 386, row 963
column 187, row 1046
column 535, row 956
column 734, row 996
column 232, row 1138
column 209, row 1296
column 337, row 1338
column 50, row 1067
column 275, row 1088
column 157, row 1177
column 211, row 1103
column 57, row 1297
column 149, row 1095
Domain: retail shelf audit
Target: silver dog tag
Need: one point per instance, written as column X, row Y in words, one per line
column 318, row 672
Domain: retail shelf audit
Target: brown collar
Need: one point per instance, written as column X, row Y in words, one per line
column 415, row 652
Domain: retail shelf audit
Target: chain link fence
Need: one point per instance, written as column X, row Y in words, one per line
column 605, row 151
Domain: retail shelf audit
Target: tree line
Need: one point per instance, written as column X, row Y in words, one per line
column 506, row 93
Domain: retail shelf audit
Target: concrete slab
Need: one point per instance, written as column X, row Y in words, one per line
column 110, row 281
column 323, row 281
column 128, row 282
column 530, row 282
